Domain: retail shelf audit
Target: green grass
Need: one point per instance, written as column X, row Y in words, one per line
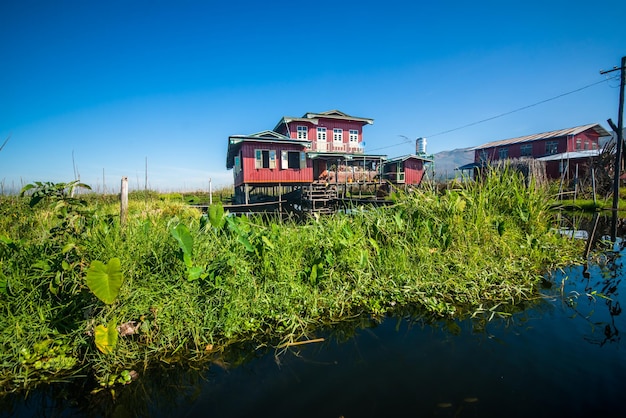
column 478, row 250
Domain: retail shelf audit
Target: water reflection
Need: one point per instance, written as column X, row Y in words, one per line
column 559, row 355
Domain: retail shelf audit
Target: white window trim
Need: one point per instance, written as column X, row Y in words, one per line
column 353, row 136
column 303, row 132
column 338, row 135
column 321, row 134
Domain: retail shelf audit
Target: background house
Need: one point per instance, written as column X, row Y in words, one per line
column 561, row 150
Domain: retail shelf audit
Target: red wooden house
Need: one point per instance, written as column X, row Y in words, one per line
column 562, row 150
column 267, row 159
column 408, row 169
column 316, row 148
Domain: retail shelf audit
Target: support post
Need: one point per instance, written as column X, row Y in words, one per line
column 210, row 192
column 620, row 141
column 123, row 201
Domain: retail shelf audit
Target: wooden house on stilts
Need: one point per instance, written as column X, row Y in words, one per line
column 314, row 159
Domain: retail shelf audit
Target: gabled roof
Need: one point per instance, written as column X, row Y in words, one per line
column 269, row 135
column 408, row 157
column 314, row 118
column 235, row 141
column 546, row 135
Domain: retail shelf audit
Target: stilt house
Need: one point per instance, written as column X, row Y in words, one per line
column 562, row 150
column 311, row 154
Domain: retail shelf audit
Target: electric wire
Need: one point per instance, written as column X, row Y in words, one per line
column 505, row 113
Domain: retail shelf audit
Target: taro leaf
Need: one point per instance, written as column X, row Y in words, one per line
column 105, row 280
column 246, row 243
column 184, row 238
column 194, row 273
column 106, row 337
column 216, row 216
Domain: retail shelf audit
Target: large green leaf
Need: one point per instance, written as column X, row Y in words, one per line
column 105, row 280
column 184, row 238
column 216, row 215
column 106, row 337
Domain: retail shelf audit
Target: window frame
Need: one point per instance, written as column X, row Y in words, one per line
column 552, row 147
column 287, row 157
column 526, row 150
column 302, row 132
column 353, row 136
column 321, row 134
column 261, row 155
column 338, row 135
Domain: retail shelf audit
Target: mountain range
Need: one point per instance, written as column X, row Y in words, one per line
column 446, row 162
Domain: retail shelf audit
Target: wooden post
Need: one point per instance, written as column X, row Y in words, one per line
column 576, row 183
column 123, row 201
column 280, row 198
column 593, row 185
column 620, row 140
column 210, row 192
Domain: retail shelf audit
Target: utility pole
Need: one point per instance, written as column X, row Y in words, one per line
column 620, row 142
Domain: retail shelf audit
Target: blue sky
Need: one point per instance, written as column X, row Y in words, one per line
column 102, row 86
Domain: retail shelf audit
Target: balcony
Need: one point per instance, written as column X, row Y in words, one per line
column 336, row 147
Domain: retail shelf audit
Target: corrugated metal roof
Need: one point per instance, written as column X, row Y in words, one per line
column 571, row 155
column 546, row 135
column 406, row 157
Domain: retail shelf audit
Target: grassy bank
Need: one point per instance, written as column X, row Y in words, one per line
column 82, row 295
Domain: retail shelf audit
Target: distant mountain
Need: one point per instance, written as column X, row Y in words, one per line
column 447, row 161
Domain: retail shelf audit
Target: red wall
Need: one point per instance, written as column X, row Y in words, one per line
column 329, row 124
column 413, row 171
column 250, row 174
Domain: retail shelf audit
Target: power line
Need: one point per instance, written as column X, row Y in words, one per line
column 507, row 113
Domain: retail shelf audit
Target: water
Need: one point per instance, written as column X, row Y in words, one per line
column 562, row 357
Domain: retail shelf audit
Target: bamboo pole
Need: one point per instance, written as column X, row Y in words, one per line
column 123, row 201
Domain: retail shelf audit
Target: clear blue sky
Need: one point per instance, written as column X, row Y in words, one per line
column 113, row 83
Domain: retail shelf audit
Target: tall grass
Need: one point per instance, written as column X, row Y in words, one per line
column 476, row 250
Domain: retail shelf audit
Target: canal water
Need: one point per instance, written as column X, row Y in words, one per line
column 560, row 357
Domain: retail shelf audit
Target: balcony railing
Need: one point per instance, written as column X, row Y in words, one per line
column 336, row 147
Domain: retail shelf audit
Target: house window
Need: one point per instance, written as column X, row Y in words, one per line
column 552, row 147
column 338, row 135
column 293, row 159
column 264, row 158
column 321, row 134
column 586, row 144
column 482, row 157
column 526, row 150
column 579, row 143
column 303, row 132
column 503, row 153
column 353, row 136
column 237, row 164
column 594, row 145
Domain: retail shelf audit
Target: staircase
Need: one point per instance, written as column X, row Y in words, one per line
column 319, row 198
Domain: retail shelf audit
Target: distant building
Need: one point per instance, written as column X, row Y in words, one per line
column 561, row 150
